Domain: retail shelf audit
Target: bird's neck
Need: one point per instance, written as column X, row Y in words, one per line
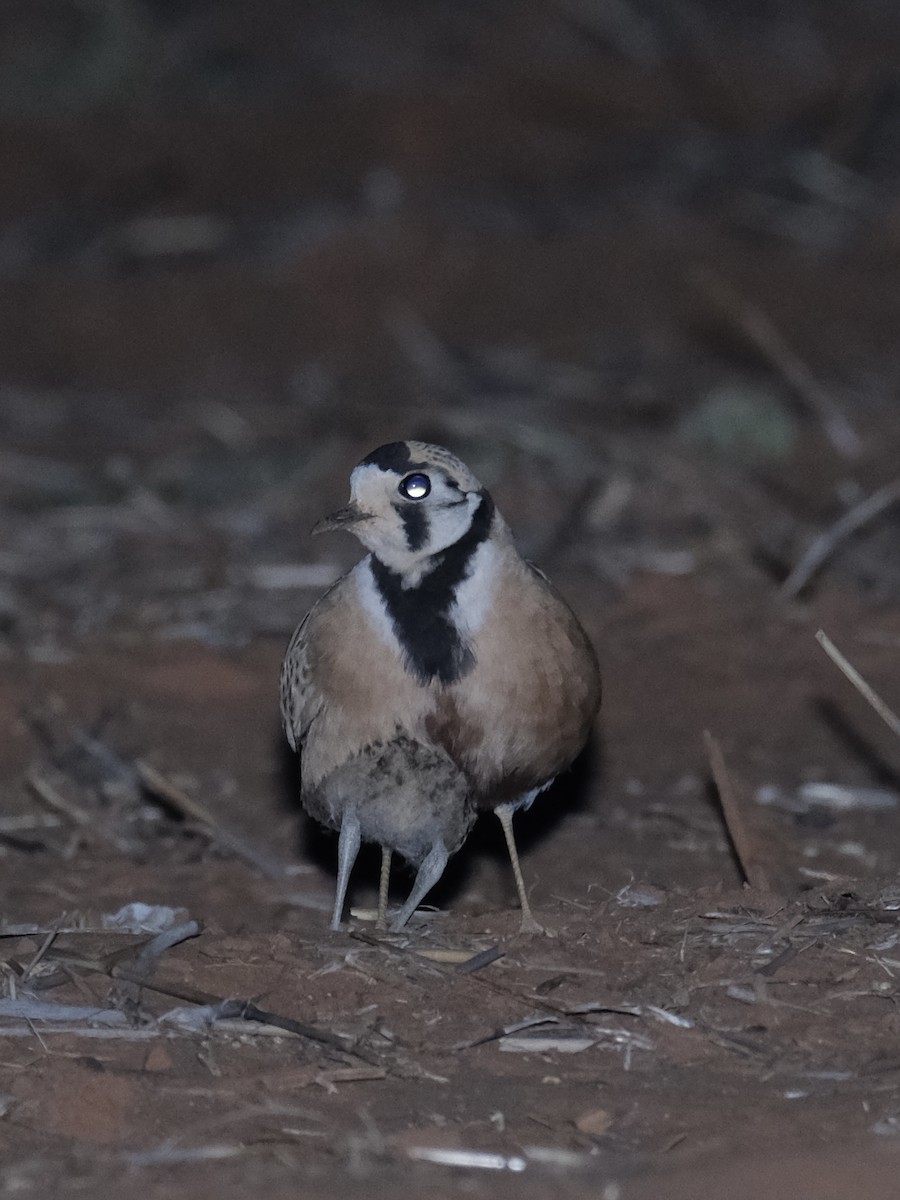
column 434, row 606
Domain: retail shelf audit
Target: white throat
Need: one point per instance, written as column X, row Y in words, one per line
column 475, row 593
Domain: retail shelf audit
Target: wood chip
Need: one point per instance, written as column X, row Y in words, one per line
column 596, row 1122
column 738, row 832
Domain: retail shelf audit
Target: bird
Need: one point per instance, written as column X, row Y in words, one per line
column 441, row 677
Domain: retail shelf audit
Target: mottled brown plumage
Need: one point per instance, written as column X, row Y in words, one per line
column 406, row 797
column 445, row 652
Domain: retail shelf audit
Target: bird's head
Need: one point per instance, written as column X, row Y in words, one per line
column 408, row 502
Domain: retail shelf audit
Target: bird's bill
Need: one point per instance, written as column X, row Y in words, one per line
column 344, row 518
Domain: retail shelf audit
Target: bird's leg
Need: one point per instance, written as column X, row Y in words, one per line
column 429, row 873
column 348, row 848
column 505, row 815
column 383, row 885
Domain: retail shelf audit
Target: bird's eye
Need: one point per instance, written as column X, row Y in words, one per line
column 415, row 487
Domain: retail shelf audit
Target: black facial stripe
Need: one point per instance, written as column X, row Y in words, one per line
column 415, row 524
column 392, row 457
column 395, row 457
column 421, row 615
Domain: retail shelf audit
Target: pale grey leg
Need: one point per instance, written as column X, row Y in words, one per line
column 383, row 886
column 429, row 873
column 505, row 815
column 348, row 848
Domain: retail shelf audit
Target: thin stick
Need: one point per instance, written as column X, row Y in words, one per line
column 738, row 833
column 159, row 785
column 39, row 954
column 887, row 715
column 479, row 961
column 826, row 543
column 84, row 820
column 245, row 1010
column 45, row 790
column 760, row 330
column 384, row 887
column 147, row 957
column 85, row 1031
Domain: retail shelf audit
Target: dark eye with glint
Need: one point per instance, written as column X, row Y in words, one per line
column 415, row 487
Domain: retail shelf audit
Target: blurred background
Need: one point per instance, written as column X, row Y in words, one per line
column 636, row 259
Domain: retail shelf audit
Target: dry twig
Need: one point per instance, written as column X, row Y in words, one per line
column 479, row 961
column 51, row 797
column 245, row 1010
column 826, row 543
column 38, row 955
column 163, row 787
column 887, row 714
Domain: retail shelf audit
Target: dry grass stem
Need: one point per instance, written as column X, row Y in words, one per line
column 887, row 714
column 826, row 543
column 39, row 954
column 737, row 830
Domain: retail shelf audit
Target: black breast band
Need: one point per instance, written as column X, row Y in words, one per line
column 421, row 615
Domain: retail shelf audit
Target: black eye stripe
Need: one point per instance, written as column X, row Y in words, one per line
column 415, row 525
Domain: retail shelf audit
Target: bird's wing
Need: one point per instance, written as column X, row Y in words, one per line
column 301, row 701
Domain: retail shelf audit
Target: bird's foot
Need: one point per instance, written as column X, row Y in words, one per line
column 531, row 926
